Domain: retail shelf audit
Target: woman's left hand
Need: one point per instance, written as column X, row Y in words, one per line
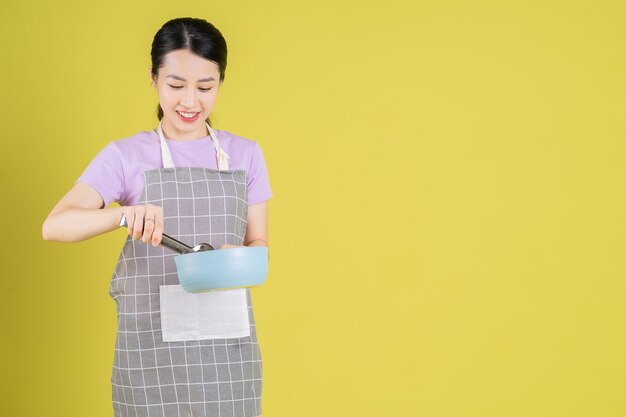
column 227, row 246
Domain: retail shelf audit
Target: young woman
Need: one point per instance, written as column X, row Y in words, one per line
column 177, row 353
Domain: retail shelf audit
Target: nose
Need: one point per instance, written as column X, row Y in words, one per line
column 189, row 98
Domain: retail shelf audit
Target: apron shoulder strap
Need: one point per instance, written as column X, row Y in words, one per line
column 166, row 156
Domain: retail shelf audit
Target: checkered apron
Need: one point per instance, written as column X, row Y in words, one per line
column 210, row 377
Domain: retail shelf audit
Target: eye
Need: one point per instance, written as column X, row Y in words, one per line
column 180, row 86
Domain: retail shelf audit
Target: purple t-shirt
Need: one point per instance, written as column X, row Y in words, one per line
column 116, row 172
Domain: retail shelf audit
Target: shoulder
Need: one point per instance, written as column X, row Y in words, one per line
column 245, row 153
column 129, row 148
column 234, row 142
column 140, row 140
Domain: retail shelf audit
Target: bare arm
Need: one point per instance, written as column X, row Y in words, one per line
column 80, row 215
column 257, row 229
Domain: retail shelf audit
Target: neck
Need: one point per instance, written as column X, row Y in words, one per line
column 171, row 133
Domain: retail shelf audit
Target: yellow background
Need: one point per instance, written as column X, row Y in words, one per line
column 447, row 227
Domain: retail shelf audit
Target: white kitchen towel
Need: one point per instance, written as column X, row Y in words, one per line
column 216, row 314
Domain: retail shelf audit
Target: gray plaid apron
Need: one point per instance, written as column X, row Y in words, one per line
column 206, row 377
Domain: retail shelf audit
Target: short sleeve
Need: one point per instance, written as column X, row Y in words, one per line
column 258, row 179
column 105, row 174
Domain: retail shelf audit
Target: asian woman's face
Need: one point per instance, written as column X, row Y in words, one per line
column 186, row 84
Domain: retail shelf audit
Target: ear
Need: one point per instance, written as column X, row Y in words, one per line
column 153, row 82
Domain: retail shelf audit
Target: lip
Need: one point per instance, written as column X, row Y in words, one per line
column 185, row 119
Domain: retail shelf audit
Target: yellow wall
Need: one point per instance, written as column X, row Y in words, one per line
column 447, row 228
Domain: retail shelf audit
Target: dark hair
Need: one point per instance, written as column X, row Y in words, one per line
column 196, row 35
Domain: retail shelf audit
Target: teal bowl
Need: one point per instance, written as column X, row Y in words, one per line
column 222, row 268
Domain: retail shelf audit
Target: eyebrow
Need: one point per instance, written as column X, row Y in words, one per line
column 176, row 77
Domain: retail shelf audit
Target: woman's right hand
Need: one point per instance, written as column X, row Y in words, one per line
column 145, row 222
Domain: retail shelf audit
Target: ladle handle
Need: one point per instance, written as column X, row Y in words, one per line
column 166, row 241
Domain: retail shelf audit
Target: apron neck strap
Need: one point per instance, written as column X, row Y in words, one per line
column 222, row 156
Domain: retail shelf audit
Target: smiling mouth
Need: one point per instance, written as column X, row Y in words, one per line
column 187, row 115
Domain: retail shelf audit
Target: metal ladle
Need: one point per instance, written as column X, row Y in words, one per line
column 173, row 244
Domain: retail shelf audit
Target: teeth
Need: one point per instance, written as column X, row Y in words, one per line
column 187, row 115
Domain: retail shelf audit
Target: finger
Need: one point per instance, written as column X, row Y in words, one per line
column 157, row 235
column 130, row 220
column 138, row 225
column 148, row 227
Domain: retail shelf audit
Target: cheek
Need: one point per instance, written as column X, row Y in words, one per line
column 166, row 97
column 209, row 99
